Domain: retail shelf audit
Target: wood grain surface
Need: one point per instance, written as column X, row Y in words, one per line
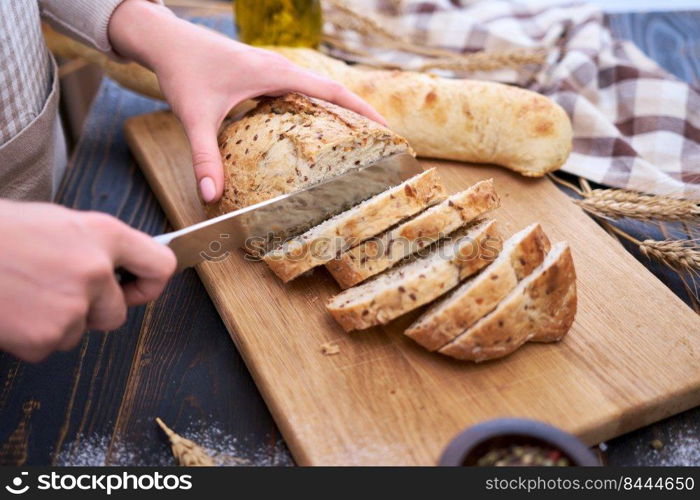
column 384, row 400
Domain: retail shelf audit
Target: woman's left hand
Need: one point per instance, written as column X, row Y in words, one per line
column 203, row 75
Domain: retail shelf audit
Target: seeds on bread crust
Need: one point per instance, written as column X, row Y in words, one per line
column 324, row 242
column 541, row 308
column 479, row 295
column 302, row 136
column 385, row 250
column 417, row 282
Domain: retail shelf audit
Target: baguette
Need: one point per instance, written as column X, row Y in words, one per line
column 540, row 309
column 324, row 242
column 478, row 296
column 380, row 253
column 453, row 119
column 456, row 119
column 415, row 283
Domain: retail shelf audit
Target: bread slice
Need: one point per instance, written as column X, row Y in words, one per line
column 378, row 254
column 418, row 282
column 540, row 309
column 324, row 242
column 478, row 296
column 290, row 142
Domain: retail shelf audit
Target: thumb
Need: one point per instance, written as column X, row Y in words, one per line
column 206, row 159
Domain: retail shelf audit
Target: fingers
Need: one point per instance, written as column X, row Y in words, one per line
column 108, row 307
column 152, row 263
column 206, row 159
column 138, row 253
column 73, row 334
column 314, row 85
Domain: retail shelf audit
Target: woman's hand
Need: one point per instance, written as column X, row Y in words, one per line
column 204, row 74
column 57, row 275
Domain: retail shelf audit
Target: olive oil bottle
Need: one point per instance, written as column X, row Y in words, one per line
column 292, row 23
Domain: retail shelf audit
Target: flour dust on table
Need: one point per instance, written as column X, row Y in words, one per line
column 95, row 450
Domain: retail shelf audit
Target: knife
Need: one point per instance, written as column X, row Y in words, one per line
column 270, row 221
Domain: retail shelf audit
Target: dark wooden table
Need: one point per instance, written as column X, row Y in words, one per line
column 174, row 359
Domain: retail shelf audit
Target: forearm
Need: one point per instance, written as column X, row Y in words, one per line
column 149, row 33
column 204, row 74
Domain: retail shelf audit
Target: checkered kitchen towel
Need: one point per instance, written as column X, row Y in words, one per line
column 635, row 125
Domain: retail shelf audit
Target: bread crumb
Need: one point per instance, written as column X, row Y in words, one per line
column 330, row 348
column 657, row 444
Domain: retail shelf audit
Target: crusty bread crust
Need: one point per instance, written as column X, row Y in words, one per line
column 380, row 253
column 446, row 319
column 287, row 143
column 418, row 282
column 323, row 242
column 540, row 309
column 456, row 119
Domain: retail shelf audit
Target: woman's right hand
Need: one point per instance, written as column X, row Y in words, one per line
column 57, row 275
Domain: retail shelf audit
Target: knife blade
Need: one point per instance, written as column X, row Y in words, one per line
column 271, row 221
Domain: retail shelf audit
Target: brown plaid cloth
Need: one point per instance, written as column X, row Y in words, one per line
column 635, row 125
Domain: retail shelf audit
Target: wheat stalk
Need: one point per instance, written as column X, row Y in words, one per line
column 681, row 255
column 346, row 18
column 488, row 61
column 618, row 203
column 479, row 61
column 186, row 452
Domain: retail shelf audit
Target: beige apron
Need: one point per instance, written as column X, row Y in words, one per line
column 33, row 162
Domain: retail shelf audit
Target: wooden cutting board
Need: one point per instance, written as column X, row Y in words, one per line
column 631, row 358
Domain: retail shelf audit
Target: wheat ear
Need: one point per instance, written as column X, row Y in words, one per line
column 618, row 203
column 346, row 18
column 682, row 255
column 186, row 452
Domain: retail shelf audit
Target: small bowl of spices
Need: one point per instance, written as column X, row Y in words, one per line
column 515, row 442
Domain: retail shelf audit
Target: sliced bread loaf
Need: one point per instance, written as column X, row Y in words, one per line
column 380, row 253
column 541, row 308
column 324, row 242
column 478, row 296
column 418, row 282
column 293, row 141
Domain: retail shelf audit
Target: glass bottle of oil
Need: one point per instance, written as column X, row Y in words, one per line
column 292, row 23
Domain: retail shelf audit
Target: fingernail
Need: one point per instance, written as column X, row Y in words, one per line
column 207, row 189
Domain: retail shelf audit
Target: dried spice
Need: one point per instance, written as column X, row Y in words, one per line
column 186, row 452
column 524, row 455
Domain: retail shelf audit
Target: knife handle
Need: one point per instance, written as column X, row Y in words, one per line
column 124, row 277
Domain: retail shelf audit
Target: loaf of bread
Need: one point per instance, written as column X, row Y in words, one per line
column 324, row 242
column 478, row 296
column 455, row 119
column 452, row 119
column 380, row 253
column 541, row 308
column 409, row 286
column 290, row 142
